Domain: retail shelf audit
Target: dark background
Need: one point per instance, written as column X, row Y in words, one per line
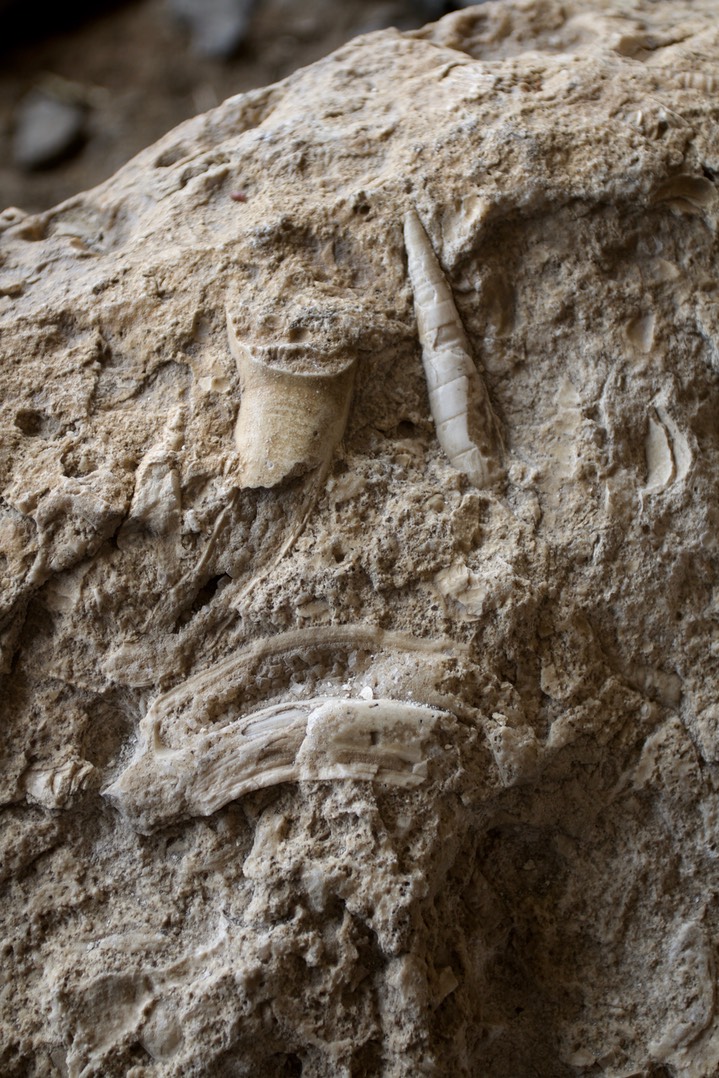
column 84, row 86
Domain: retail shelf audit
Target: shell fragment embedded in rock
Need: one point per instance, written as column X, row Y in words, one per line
column 307, row 740
column 466, row 425
column 194, row 757
column 389, row 766
column 289, row 423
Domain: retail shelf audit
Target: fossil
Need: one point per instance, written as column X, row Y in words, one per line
column 696, row 80
column 454, row 719
column 467, row 427
column 314, row 740
column 193, row 757
column 289, row 422
column 668, row 453
column 686, row 193
column 352, row 636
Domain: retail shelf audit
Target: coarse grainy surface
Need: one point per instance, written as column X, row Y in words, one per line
column 323, row 756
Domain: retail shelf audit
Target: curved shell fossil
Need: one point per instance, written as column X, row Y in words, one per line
column 193, row 756
column 467, row 428
column 321, row 739
column 289, row 423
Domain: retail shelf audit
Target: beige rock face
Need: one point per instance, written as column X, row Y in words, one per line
column 360, row 664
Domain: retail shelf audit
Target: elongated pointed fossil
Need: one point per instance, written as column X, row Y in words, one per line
column 289, row 422
column 467, row 427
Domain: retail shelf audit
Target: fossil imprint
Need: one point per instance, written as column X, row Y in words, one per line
column 467, row 428
column 289, row 423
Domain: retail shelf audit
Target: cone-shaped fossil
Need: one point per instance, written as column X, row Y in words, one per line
column 467, row 428
column 289, row 422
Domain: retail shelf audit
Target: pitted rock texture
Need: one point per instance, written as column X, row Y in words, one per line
column 537, row 892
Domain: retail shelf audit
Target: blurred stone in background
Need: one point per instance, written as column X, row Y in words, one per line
column 217, row 27
column 85, row 85
column 49, row 125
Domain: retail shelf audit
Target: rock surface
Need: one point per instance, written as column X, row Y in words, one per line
column 372, row 769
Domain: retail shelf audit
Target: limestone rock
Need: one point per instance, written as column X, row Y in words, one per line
column 373, row 768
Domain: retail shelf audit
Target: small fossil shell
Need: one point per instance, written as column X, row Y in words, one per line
column 697, row 80
column 289, row 422
column 668, row 453
column 467, row 428
column 686, row 193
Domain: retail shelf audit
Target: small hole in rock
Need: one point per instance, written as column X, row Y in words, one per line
column 297, row 333
column 29, row 421
column 207, row 592
column 291, row 1066
column 171, row 156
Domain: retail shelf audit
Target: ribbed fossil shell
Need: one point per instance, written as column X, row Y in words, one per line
column 196, row 753
column 466, row 426
column 312, row 740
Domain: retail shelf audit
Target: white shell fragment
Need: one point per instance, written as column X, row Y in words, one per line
column 668, row 454
column 289, row 422
column 310, row 740
column 466, row 425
